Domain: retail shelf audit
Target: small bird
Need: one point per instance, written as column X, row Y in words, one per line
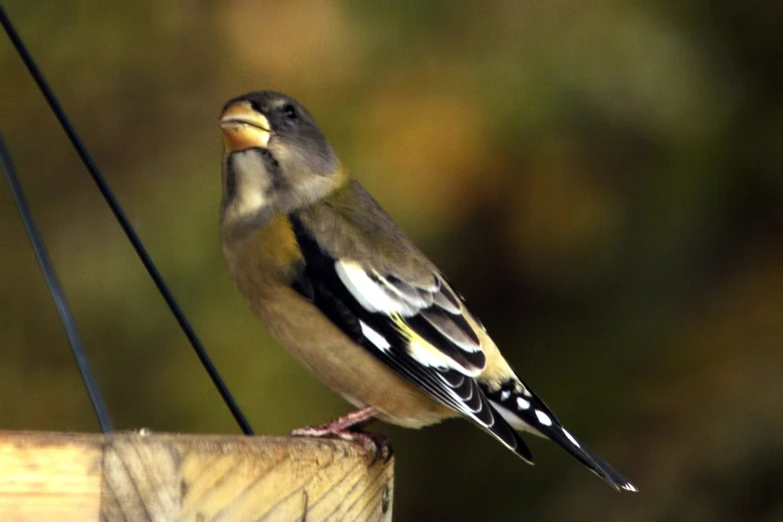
column 344, row 290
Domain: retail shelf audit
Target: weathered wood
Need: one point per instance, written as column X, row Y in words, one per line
column 48, row 476
column 163, row 477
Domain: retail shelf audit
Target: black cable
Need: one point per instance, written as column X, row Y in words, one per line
column 119, row 214
column 69, row 324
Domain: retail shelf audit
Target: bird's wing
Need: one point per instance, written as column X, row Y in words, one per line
column 429, row 317
column 420, row 331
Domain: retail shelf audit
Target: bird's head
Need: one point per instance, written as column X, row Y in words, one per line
column 276, row 157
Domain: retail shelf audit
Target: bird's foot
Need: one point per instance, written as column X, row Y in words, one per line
column 349, row 427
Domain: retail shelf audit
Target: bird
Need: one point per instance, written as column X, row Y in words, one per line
column 350, row 296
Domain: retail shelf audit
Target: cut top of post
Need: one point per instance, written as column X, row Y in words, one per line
column 162, row 477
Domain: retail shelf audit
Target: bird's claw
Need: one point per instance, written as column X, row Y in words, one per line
column 375, row 444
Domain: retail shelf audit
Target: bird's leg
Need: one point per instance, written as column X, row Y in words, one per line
column 354, row 420
column 349, row 427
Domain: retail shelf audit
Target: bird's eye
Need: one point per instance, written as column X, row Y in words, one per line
column 289, row 111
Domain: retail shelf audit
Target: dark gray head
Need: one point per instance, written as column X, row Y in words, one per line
column 276, row 156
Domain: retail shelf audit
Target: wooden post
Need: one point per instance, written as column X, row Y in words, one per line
column 144, row 476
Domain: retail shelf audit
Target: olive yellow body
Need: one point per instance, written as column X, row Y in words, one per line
column 259, row 263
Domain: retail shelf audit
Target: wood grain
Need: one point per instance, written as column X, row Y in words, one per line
column 163, row 477
column 46, row 476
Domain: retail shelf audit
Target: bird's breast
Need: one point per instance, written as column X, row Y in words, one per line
column 262, row 262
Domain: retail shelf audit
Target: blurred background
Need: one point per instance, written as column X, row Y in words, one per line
column 602, row 181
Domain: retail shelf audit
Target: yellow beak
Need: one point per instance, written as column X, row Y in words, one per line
column 244, row 128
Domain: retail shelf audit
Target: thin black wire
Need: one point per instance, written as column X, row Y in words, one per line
column 69, row 324
column 119, row 214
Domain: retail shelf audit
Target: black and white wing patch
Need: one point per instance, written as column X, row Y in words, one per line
column 430, row 318
column 418, row 331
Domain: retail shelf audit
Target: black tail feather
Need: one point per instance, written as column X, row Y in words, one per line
column 596, row 464
column 525, row 411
